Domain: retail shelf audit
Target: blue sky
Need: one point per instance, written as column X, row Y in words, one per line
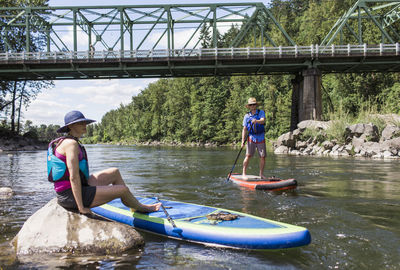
column 93, row 97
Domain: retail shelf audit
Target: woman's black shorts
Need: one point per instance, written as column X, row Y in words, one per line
column 67, row 200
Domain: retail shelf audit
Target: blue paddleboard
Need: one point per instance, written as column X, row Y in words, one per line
column 208, row 225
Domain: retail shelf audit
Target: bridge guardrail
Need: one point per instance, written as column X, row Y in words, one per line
column 312, row 51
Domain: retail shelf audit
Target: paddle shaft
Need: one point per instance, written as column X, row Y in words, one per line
column 241, row 148
column 169, row 218
column 237, row 157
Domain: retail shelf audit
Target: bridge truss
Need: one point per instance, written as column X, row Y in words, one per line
column 367, row 16
column 138, row 27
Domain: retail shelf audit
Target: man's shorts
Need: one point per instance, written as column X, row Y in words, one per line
column 67, row 200
column 252, row 146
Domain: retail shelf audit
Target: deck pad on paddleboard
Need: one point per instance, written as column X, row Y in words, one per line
column 194, row 224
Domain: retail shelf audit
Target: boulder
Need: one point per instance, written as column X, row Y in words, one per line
column 281, row 150
column 388, row 118
column 54, row 229
column 365, row 131
column 313, row 124
column 286, row 139
column 328, row 145
column 6, row 193
column 389, row 132
column 392, row 144
column 372, row 149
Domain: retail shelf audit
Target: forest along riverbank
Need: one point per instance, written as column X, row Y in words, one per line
column 379, row 138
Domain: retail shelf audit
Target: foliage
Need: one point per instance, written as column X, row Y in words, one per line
column 340, row 119
column 16, row 94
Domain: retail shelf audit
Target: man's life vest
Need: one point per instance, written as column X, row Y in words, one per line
column 57, row 168
column 254, row 128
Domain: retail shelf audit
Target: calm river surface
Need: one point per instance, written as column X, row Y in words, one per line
column 350, row 206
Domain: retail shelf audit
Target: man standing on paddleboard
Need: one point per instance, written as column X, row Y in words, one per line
column 254, row 132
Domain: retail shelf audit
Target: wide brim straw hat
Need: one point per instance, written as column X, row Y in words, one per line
column 252, row 101
column 72, row 118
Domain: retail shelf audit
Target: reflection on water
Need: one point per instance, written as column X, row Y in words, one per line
column 350, row 206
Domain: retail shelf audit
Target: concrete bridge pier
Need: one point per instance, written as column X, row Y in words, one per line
column 306, row 97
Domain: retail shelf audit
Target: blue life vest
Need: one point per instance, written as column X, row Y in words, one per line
column 57, row 169
column 256, row 128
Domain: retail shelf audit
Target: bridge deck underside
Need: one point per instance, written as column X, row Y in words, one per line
column 59, row 69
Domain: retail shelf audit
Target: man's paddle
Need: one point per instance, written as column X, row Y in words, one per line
column 241, row 148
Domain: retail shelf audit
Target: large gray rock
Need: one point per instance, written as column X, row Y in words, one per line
column 281, row 150
column 389, row 132
column 286, row 139
column 366, row 131
column 54, row 229
column 6, row 193
column 313, row 124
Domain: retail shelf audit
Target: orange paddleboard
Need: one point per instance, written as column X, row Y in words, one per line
column 271, row 183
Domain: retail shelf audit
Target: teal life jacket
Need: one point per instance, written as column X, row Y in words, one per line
column 57, row 168
column 257, row 128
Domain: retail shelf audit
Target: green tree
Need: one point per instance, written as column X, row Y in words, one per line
column 15, row 94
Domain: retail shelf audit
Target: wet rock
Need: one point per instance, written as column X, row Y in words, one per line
column 54, row 229
column 281, row 150
column 5, row 193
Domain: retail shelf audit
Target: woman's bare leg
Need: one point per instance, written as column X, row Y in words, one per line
column 110, row 176
column 110, row 185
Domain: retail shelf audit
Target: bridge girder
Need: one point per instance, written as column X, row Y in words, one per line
column 76, row 28
column 380, row 14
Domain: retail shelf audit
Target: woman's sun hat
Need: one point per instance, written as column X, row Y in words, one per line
column 72, row 118
column 252, row 101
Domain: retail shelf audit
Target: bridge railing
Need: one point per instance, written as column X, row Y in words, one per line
column 312, row 51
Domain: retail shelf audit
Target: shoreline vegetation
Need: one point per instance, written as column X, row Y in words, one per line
column 369, row 135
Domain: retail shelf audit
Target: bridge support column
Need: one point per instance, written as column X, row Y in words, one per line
column 306, row 97
column 297, row 88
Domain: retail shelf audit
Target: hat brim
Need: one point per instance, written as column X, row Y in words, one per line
column 65, row 128
column 257, row 103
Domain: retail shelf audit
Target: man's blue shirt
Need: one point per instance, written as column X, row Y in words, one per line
column 260, row 137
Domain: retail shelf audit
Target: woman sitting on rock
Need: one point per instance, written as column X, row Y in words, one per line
column 68, row 169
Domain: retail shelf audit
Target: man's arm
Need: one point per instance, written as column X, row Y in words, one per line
column 244, row 135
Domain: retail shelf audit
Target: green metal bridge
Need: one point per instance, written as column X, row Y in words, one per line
column 97, row 42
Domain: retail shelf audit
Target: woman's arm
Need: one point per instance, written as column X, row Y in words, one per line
column 72, row 154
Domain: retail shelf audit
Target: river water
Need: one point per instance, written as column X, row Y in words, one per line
column 351, row 207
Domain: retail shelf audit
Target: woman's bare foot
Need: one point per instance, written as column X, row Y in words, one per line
column 148, row 208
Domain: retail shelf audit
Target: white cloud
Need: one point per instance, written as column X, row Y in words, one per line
column 68, row 38
column 93, row 97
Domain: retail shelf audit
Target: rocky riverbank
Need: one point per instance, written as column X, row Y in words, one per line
column 12, row 142
column 357, row 140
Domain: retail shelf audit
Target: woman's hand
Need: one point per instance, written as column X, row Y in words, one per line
column 85, row 211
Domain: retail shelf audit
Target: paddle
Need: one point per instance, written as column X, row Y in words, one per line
column 237, row 157
column 169, row 218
